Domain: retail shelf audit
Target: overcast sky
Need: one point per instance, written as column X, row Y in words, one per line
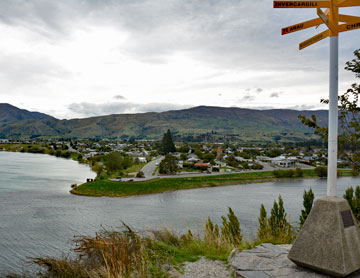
column 78, row 58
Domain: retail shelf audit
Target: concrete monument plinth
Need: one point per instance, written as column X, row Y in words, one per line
column 329, row 241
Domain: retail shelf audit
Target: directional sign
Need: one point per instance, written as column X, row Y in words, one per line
column 314, row 39
column 330, row 17
column 326, row 20
column 301, row 26
column 348, row 18
column 302, row 4
column 348, row 3
column 349, row 26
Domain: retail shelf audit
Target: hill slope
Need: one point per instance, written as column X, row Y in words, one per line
column 10, row 113
column 247, row 124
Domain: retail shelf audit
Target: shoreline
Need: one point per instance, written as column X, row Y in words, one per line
column 105, row 188
column 203, row 186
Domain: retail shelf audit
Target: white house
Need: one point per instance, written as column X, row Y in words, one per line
column 219, row 163
column 283, row 161
column 142, row 159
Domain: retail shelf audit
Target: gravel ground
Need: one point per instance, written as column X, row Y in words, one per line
column 204, row 268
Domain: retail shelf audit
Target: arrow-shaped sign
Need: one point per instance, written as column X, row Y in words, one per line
column 348, row 3
column 303, row 4
column 348, row 18
column 314, row 39
column 330, row 17
column 301, row 26
column 349, row 26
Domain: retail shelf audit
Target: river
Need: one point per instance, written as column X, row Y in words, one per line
column 39, row 217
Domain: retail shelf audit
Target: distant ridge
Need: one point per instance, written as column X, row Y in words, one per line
column 10, row 113
column 246, row 124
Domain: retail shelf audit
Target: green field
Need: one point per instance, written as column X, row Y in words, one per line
column 122, row 189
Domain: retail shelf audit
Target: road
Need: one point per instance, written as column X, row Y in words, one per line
column 149, row 168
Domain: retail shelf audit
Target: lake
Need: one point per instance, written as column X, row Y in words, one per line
column 39, row 217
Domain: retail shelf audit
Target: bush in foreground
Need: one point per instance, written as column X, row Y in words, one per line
column 353, row 198
column 308, row 200
column 276, row 228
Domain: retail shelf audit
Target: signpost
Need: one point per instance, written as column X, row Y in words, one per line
column 313, row 247
column 331, row 19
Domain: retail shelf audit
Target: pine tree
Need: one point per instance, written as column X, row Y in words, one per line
column 167, row 144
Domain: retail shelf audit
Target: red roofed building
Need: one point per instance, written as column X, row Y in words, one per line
column 206, row 166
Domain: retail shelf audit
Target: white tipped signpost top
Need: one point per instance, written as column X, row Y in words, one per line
column 331, row 18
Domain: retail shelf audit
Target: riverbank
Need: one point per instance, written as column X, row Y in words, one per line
column 123, row 189
column 42, row 149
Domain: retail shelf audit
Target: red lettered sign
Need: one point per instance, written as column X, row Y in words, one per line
column 301, row 26
column 301, row 4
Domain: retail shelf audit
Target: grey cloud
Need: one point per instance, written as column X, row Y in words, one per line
column 48, row 18
column 85, row 109
column 119, row 97
column 23, row 69
column 275, row 95
column 304, row 107
column 259, row 90
column 211, row 31
column 296, row 107
column 248, row 98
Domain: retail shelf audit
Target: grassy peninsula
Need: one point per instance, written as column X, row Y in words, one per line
column 104, row 187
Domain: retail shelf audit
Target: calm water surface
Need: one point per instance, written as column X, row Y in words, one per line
column 39, row 217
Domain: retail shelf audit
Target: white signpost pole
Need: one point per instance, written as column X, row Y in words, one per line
column 333, row 116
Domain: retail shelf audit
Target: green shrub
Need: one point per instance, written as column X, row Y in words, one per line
column 65, row 154
column 355, row 170
column 263, row 231
column 211, row 232
column 321, row 171
column 140, row 174
column 299, row 172
column 289, row 173
column 168, row 165
column 275, row 229
column 353, row 199
column 284, row 173
column 279, row 173
column 230, row 234
column 308, row 200
column 230, row 231
column 115, row 162
column 35, row 149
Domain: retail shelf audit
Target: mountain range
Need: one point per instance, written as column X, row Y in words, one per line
column 246, row 124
